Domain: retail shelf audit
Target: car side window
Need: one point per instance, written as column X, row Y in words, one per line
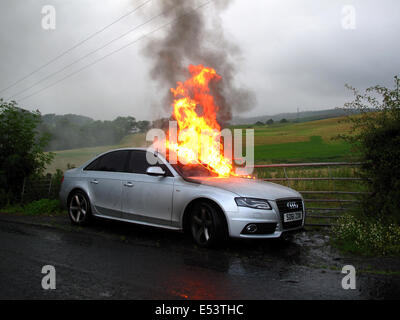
column 115, row 161
column 93, row 166
column 138, row 163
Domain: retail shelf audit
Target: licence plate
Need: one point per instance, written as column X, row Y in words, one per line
column 292, row 216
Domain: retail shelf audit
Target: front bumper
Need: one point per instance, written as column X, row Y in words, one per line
column 237, row 222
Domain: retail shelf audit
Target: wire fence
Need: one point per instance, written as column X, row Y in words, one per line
column 35, row 188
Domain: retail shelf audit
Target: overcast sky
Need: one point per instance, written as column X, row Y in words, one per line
column 295, row 54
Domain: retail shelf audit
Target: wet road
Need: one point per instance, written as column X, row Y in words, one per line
column 110, row 260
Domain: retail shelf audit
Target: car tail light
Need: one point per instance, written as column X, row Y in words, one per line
column 62, row 179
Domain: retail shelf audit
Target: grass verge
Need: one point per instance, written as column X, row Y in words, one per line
column 366, row 236
column 46, row 207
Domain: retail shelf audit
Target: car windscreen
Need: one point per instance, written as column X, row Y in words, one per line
column 193, row 170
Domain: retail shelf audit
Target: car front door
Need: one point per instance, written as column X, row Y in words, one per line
column 105, row 176
column 147, row 198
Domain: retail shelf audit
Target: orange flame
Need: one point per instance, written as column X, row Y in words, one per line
column 198, row 129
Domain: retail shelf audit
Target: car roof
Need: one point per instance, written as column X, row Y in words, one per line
column 127, row 148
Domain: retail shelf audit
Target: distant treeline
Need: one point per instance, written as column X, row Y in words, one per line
column 73, row 131
column 300, row 116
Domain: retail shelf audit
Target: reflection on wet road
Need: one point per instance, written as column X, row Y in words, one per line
column 112, row 260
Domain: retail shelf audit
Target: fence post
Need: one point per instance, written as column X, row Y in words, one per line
column 48, row 194
column 23, row 190
column 286, row 176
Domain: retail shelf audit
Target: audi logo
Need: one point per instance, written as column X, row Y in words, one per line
column 292, row 205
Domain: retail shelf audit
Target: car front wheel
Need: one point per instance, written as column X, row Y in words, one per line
column 206, row 225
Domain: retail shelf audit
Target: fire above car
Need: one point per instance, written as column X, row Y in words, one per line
column 122, row 185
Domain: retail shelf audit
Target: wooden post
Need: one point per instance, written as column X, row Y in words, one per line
column 23, row 190
column 50, row 187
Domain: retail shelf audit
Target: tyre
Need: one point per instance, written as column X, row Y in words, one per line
column 207, row 226
column 79, row 208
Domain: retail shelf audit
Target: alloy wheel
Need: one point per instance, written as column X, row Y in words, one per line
column 202, row 225
column 78, row 208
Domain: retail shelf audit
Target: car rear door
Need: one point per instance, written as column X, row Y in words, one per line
column 105, row 176
column 147, row 198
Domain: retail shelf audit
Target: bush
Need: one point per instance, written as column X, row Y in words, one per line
column 375, row 134
column 372, row 236
column 21, row 146
column 42, row 206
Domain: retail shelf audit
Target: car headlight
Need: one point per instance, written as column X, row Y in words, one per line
column 253, row 203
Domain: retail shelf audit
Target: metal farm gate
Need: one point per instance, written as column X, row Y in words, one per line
column 329, row 188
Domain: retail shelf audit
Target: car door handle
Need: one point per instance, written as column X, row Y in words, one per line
column 94, row 182
column 128, row 184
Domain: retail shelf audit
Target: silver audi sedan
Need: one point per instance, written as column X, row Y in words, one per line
column 122, row 185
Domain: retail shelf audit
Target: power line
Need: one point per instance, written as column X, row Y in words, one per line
column 113, row 52
column 88, row 54
column 75, row 46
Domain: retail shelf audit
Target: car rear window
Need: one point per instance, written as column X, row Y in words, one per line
column 115, row 161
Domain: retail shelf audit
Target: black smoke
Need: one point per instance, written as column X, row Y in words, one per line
column 197, row 37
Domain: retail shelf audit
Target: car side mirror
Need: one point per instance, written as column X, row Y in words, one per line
column 155, row 171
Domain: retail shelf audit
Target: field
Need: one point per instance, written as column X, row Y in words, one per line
column 301, row 142
column 277, row 143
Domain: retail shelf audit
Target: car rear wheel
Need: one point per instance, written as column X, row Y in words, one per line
column 79, row 208
column 206, row 225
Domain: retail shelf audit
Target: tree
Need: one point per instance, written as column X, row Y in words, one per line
column 143, row 125
column 259, row 123
column 375, row 134
column 270, row 121
column 124, row 125
column 283, row 120
column 21, row 147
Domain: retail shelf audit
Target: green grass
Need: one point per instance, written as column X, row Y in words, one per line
column 38, row 207
column 296, row 132
column 313, row 150
column 300, row 142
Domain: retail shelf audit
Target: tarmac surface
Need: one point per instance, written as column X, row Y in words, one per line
column 112, row 260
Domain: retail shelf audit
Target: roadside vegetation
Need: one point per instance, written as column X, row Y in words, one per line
column 22, row 156
column 47, row 207
column 367, row 235
column 21, row 149
column 375, row 134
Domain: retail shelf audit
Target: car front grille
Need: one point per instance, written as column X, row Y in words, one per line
column 284, row 208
